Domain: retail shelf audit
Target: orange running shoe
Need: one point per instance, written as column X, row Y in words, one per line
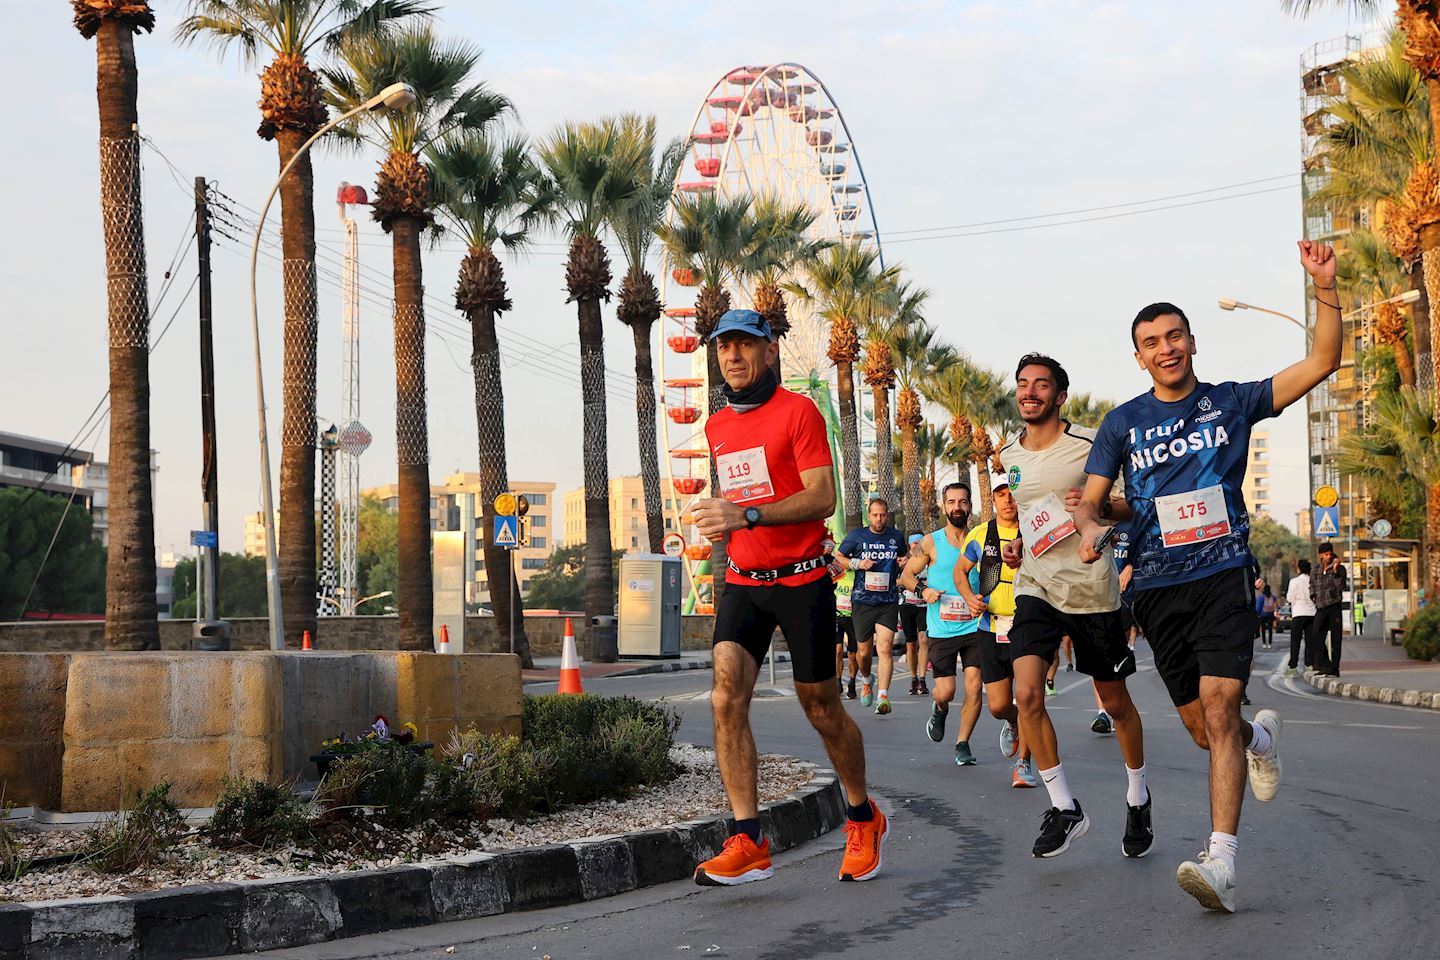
column 863, row 841
column 740, row 861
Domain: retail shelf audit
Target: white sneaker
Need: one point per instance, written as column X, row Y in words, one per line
column 1210, row 881
column 1265, row 771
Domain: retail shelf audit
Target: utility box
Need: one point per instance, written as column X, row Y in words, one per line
column 650, row 596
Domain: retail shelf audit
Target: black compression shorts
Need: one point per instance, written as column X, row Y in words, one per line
column 912, row 621
column 1202, row 628
column 994, row 659
column 1099, row 639
column 804, row 614
column 845, row 634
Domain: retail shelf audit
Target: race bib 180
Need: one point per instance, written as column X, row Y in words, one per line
column 744, row 475
column 1193, row 517
column 1046, row 525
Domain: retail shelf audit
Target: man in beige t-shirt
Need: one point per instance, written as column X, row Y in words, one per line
column 1058, row 595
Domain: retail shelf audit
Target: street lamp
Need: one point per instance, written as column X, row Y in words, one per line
column 1409, row 296
column 394, row 97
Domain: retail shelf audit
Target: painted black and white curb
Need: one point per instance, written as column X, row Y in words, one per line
column 1338, row 687
column 217, row 919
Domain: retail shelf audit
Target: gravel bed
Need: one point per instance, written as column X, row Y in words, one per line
column 696, row 792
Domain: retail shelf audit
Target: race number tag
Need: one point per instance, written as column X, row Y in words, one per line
column 1001, row 627
column 1046, row 525
column 744, row 475
column 954, row 609
column 1193, row 517
column 877, row 581
column 842, row 602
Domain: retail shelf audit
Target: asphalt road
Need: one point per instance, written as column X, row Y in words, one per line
column 1345, row 862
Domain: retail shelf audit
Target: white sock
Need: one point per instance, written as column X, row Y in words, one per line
column 1136, row 791
column 885, row 692
column 1059, row 790
column 1223, row 846
column 1260, row 742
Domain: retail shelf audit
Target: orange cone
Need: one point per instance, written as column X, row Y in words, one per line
column 569, row 664
column 305, row 643
column 444, row 638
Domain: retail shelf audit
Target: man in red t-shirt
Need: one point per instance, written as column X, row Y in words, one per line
column 776, row 487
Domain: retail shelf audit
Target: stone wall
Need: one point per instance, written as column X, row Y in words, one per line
column 84, row 732
column 332, row 633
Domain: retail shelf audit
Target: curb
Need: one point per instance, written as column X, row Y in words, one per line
column 665, row 666
column 1336, row 687
column 212, row 920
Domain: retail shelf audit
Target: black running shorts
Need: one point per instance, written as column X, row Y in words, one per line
column 869, row 616
column 1127, row 617
column 845, row 634
column 948, row 653
column 1099, row 639
column 912, row 621
column 994, row 659
column 1202, row 628
column 805, row 616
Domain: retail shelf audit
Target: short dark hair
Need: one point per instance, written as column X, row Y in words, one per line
column 957, row 485
column 1153, row 311
column 880, row 500
column 1304, row 565
column 1325, row 548
column 1062, row 379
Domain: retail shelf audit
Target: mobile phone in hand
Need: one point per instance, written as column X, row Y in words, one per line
column 1104, row 538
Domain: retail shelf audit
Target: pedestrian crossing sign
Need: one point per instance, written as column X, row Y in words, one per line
column 1327, row 521
column 505, row 531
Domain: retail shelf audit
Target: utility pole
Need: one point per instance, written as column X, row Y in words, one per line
column 209, row 632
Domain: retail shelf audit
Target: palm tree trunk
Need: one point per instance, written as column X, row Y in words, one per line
column 849, row 446
column 645, row 430
column 297, row 435
column 494, row 475
column 884, row 474
column 1424, row 366
column 130, row 617
column 910, row 472
column 985, row 495
column 1432, row 541
column 599, row 579
column 412, row 441
column 719, row 558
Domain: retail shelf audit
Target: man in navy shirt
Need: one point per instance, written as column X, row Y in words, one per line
column 876, row 554
column 1181, row 448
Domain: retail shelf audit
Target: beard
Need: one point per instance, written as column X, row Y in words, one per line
column 958, row 519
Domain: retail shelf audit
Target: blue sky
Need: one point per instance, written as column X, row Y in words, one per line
column 963, row 112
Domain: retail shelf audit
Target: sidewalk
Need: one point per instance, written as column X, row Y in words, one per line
column 1371, row 669
column 547, row 669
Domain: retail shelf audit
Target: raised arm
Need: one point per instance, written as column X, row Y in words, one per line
column 1298, row 379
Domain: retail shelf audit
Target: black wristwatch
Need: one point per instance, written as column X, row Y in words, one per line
column 752, row 517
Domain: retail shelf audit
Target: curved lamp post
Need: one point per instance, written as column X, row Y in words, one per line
column 397, row 96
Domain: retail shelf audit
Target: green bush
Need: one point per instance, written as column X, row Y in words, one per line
column 139, row 837
column 251, row 813
column 600, row 746
column 1422, row 634
column 505, row 776
column 404, row 787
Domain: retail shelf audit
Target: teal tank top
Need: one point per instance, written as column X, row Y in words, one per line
column 939, row 577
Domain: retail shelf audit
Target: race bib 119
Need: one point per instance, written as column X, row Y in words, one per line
column 744, row 475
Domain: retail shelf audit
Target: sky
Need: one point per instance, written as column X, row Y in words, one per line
column 963, row 113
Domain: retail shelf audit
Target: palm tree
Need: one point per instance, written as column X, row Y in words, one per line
column 1084, row 410
column 971, row 396
column 490, row 193
column 130, row 616
column 634, row 223
column 786, row 245
column 847, row 285
column 932, row 445
column 291, row 110
column 593, row 177
column 919, row 356
column 446, row 105
column 1368, row 272
column 902, row 309
column 1404, row 442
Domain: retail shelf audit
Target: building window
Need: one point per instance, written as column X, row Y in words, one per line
column 537, row 521
column 634, row 542
column 537, row 542
column 536, row 499
column 432, row 503
column 532, row 563
column 634, row 504
column 634, row 523
column 1260, row 443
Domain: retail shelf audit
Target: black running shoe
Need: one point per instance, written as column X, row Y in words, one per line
column 850, row 690
column 1102, row 724
column 1138, row 835
column 1058, row 828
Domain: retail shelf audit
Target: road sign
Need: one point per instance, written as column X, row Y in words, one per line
column 1381, row 528
column 1327, row 521
column 674, row 545
column 204, row 538
column 505, row 504
column 506, row 533
column 1326, row 496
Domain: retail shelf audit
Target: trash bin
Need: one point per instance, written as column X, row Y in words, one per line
column 604, row 639
column 210, row 635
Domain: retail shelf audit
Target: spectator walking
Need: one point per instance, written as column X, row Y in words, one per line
column 1265, row 607
column 1302, row 614
column 1358, row 608
column 1328, row 582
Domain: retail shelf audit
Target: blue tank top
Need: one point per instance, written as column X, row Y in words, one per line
column 939, row 577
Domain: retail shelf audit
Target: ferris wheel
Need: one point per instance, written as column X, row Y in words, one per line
column 769, row 132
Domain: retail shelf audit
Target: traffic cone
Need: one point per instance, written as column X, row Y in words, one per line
column 444, row 638
column 569, row 664
column 305, row 643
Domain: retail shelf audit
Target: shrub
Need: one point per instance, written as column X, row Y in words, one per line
column 506, row 776
column 600, row 746
column 139, row 837
column 405, row 788
column 13, row 863
column 1422, row 633
column 252, row 813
